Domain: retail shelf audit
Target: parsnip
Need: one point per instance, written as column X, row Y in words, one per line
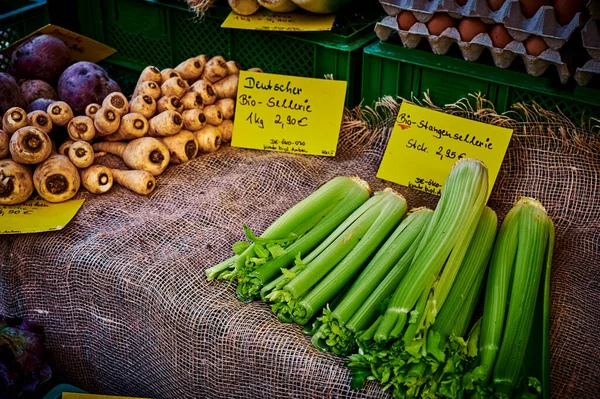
column 30, row 145
column 233, row 67
column 255, row 70
column 81, row 128
column 206, row 91
column 97, row 179
column 174, row 87
column 149, row 74
column 193, row 119
column 169, row 103
column 192, row 100
column 56, row 179
column 244, row 7
column 191, row 68
column 213, row 115
column 168, row 73
column 133, row 126
column 107, row 121
column 215, row 69
column 91, row 109
column 227, row 87
column 16, row 182
column 278, row 5
column 138, row 181
column 151, row 89
column 14, row 119
column 166, row 123
column 227, row 107
column 226, row 129
column 182, row 146
column 145, row 153
column 143, row 104
column 81, row 154
column 208, row 139
column 118, row 101
column 64, row 148
column 41, row 120
column 4, row 140
column 60, row 112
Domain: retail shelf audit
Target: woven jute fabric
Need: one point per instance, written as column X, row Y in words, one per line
column 127, row 310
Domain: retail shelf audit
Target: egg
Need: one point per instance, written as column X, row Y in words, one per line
column 471, row 27
column 500, row 36
column 566, row 10
column 406, row 20
column 461, row 2
column 530, row 7
column 439, row 23
column 535, row 45
column 495, row 5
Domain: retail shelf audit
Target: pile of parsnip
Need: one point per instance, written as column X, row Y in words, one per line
column 173, row 116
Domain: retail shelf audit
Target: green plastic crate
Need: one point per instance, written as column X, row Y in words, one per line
column 18, row 18
column 390, row 69
column 160, row 33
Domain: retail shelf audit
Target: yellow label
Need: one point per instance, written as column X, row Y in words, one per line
column 37, row 216
column 288, row 113
column 297, row 21
column 425, row 144
column 82, row 48
column 70, row 395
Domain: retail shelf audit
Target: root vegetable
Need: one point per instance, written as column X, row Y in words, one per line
column 149, row 74
column 81, row 154
column 194, row 119
column 92, row 109
column 213, row 114
column 145, row 153
column 169, row 103
column 16, row 182
column 255, row 70
column 4, row 140
column 227, row 88
column 107, row 121
column 36, row 89
column 14, row 119
column 192, row 100
column 174, row 87
column 41, row 104
column 138, row 181
column 64, row 148
column 42, row 57
column 169, row 73
column 166, row 123
column 215, row 69
column 97, row 179
column 151, row 89
column 143, row 104
column 226, row 129
column 233, row 67
column 244, row 7
column 278, row 5
column 10, row 94
column 133, row 126
column 227, row 107
column 41, row 120
column 208, row 138
column 182, row 146
column 191, row 68
column 60, row 112
column 30, row 145
column 118, row 101
column 81, row 128
column 56, row 179
column 206, row 91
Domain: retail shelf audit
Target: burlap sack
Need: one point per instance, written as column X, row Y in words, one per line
column 127, row 309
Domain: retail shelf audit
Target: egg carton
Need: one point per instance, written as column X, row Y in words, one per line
column 590, row 36
column 543, row 23
column 585, row 74
column 471, row 51
column 594, row 9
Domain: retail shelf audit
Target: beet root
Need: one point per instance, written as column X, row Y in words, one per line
column 41, row 57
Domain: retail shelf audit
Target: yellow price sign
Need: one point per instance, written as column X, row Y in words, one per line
column 71, row 395
column 425, row 144
column 296, row 21
column 288, row 113
column 36, row 216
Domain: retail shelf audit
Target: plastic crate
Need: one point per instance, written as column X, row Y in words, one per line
column 390, row 69
column 160, row 33
column 18, row 18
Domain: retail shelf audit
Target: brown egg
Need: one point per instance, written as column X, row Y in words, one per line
column 535, row 45
column 439, row 23
column 471, row 27
column 461, row 2
column 495, row 5
column 500, row 36
column 566, row 10
column 406, row 20
column 530, row 7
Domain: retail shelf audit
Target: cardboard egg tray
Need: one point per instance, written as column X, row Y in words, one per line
column 594, row 9
column 472, row 50
column 585, row 74
column 543, row 23
column 590, row 37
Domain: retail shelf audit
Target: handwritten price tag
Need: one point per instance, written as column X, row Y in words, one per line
column 288, row 114
column 37, row 216
column 288, row 22
column 425, row 144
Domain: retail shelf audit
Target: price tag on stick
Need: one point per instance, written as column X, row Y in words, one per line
column 425, row 144
column 288, row 113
